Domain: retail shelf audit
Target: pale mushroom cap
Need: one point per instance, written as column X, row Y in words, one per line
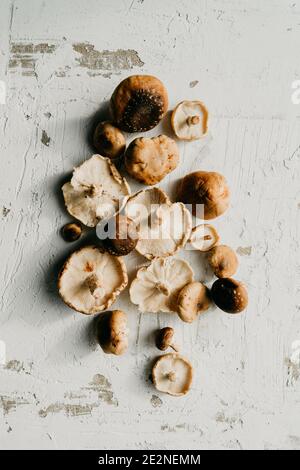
column 149, row 160
column 223, row 260
column 172, row 374
column 95, row 191
column 156, row 287
column 204, row 237
column 192, row 299
column 164, row 228
column 91, row 279
column 190, row 120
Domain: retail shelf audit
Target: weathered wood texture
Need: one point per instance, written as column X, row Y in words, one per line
column 60, row 61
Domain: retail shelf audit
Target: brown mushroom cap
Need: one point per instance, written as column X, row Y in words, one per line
column 164, row 339
column 91, row 279
column 139, row 103
column 123, row 237
column 71, row 232
column 207, row 188
column 172, row 374
column 189, row 120
column 223, row 260
column 229, row 295
column 193, row 299
column 108, row 140
column 149, row 160
column 112, row 332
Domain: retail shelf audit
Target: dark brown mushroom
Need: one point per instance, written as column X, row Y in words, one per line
column 122, row 236
column 229, row 295
column 108, row 140
column 138, row 103
column 164, row 339
column 71, row 232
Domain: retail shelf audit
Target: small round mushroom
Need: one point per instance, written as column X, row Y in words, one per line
column 223, row 261
column 138, row 103
column 189, row 120
column 123, row 237
column 172, row 374
column 229, row 295
column 91, row 279
column 205, row 187
column 164, row 339
column 204, row 237
column 108, row 140
column 193, row 299
column 71, row 232
column 112, row 332
column 149, row 160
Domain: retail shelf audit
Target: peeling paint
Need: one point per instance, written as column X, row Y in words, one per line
column 9, row 404
column 69, row 409
column 121, row 59
column 5, row 211
column 231, row 421
column 194, row 83
column 45, row 139
column 102, row 387
column 24, row 56
column 156, row 402
column 244, row 250
column 17, row 366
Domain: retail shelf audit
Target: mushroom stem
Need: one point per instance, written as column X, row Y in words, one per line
column 162, row 288
column 171, row 376
column 93, row 190
column 174, row 347
column 193, row 120
column 93, row 283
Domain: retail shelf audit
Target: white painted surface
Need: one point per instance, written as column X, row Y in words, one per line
column 244, row 56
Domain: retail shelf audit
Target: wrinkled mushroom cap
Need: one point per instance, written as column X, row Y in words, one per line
column 204, row 237
column 205, row 187
column 91, row 279
column 156, row 287
column 164, row 228
column 149, row 160
column 229, row 295
column 95, row 191
column 189, row 120
column 108, row 140
column 112, row 332
column 192, row 299
column 223, row 260
column 172, row 374
column 139, row 103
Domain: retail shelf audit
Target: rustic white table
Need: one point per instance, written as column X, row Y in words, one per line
column 60, row 62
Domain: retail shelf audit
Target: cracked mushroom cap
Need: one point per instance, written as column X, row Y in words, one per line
column 204, row 237
column 172, row 374
column 95, row 191
column 164, row 228
column 91, row 279
column 138, row 103
column 193, row 299
column 206, row 188
column 156, row 287
column 149, row 160
column 112, row 332
column 189, row 120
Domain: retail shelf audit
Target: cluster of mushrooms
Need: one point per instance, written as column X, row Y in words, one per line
column 98, row 196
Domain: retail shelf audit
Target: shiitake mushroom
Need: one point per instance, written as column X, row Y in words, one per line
column 122, row 236
column 229, row 295
column 138, row 103
column 108, row 140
